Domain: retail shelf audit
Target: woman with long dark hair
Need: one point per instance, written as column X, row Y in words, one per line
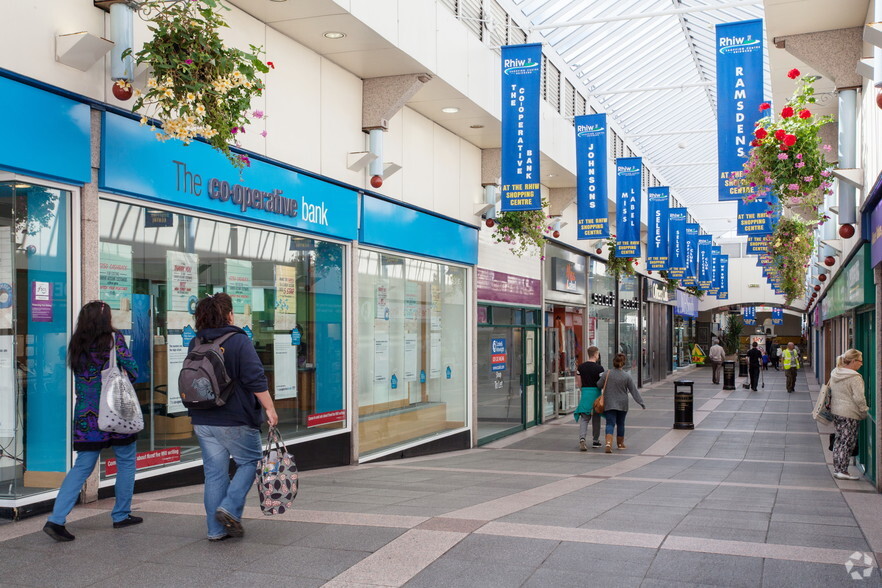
column 616, row 385
column 231, row 430
column 87, row 355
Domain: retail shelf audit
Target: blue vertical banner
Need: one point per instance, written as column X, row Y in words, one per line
column 629, row 176
column 739, row 95
column 748, row 315
column 676, row 243
column 691, row 274
column 753, row 217
column 592, row 200
column 657, row 228
column 705, row 242
column 521, row 83
column 777, row 316
column 715, row 270
column 757, row 244
column 723, row 294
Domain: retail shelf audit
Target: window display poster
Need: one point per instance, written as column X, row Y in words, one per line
column 41, row 302
column 381, row 357
column 182, row 273
column 115, row 287
column 6, row 288
column 7, row 382
column 286, row 297
column 382, row 299
column 284, row 367
column 411, row 301
column 410, row 357
column 435, row 356
column 435, row 308
column 177, row 343
column 239, row 284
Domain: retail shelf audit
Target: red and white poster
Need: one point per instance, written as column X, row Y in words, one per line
column 324, row 418
column 148, row 459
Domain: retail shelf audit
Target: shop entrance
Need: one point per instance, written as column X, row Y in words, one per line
column 563, row 353
column 659, row 341
column 865, row 342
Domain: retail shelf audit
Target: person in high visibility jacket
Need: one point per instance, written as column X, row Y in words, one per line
column 790, row 360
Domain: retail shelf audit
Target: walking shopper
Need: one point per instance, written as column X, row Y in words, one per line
column 87, row 355
column 790, row 357
column 849, row 407
column 716, row 355
column 774, row 351
column 616, row 385
column 589, row 372
column 754, row 357
column 231, row 430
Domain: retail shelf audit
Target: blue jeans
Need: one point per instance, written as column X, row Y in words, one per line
column 82, row 468
column 615, row 419
column 218, row 444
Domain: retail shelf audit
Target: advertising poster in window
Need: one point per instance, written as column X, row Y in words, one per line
column 435, row 356
column 435, row 308
column 410, row 357
column 411, row 301
column 239, row 284
column 182, row 275
column 286, row 297
column 382, row 302
column 6, row 285
column 7, row 382
column 284, row 366
column 381, row 356
column 115, row 284
column 180, row 333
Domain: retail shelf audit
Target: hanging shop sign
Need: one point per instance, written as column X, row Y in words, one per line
column 853, row 287
column 723, row 293
column 569, row 276
column 657, row 228
column 676, row 243
column 876, row 234
column 777, row 316
column 757, row 244
column 753, row 218
column 705, row 242
column 739, row 94
column 714, row 287
column 592, row 204
column 690, row 276
column 655, row 291
column 748, row 315
column 686, row 305
column 629, row 172
column 521, row 83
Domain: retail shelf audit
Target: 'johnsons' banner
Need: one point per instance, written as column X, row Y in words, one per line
column 676, row 243
column 591, row 198
column 657, row 229
column 691, row 273
column 629, row 174
column 705, row 242
column 521, row 82
column 739, row 95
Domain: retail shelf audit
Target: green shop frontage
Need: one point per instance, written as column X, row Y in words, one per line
column 847, row 319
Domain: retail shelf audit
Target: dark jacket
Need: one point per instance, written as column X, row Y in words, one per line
column 589, row 373
column 754, row 356
column 245, row 368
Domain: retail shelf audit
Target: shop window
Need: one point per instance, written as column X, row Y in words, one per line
column 602, row 311
column 412, row 374
column 34, row 319
column 287, row 295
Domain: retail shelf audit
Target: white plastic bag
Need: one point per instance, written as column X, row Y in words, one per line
column 118, row 410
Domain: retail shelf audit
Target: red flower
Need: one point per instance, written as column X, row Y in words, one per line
column 271, row 64
column 790, row 140
column 765, row 106
column 754, row 143
column 761, row 133
column 780, row 134
column 787, row 112
column 793, row 74
column 804, row 114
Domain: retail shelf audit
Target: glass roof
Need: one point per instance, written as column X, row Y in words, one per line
column 621, row 63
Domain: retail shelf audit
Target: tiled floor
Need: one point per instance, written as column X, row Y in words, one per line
column 745, row 499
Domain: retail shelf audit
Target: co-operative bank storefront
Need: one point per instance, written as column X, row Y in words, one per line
column 322, row 276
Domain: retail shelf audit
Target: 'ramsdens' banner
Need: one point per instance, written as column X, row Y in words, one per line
column 676, row 243
column 592, row 204
column 704, row 261
column 629, row 174
column 723, row 294
column 657, row 229
column 739, row 95
column 521, row 82
column 777, row 316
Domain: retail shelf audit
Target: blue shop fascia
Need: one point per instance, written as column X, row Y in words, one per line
column 161, row 225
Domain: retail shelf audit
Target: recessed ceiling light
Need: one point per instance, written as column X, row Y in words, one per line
column 330, row 34
column 450, row 110
column 550, row 175
column 278, row 0
column 476, row 126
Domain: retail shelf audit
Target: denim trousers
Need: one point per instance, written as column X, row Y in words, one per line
column 82, row 468
column 615, row 419
column 219, row 444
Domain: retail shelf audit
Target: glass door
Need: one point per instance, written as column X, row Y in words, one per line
column 866, row 343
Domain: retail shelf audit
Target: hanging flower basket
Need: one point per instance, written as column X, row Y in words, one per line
column 523, row 231
column 198, row 87
column 791, row 247
column 670, row 283
column 618, row 266
column 695, row 291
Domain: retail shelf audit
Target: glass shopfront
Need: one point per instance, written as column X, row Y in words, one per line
column 601, row 311
column 629, row 323
column 287, row 295
column 413, row 370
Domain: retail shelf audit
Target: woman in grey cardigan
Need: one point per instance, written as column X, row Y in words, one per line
column 849, row 407
column 616, row 384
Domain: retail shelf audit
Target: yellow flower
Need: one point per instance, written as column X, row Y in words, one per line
column 143, row 120
column 151, row 83
column 191, row 96
column 168, row 93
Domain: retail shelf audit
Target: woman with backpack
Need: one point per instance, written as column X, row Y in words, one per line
column 231, row 430
column 87, row 355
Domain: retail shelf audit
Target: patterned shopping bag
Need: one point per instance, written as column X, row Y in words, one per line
column 276, row 480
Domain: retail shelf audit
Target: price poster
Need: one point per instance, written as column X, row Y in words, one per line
column 183, row 281
column 286, row 297
column 239, row 284
column 115, row 287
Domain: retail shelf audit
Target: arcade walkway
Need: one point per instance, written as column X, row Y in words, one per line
column 746, row 499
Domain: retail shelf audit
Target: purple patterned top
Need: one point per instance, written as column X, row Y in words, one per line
column 87, row 385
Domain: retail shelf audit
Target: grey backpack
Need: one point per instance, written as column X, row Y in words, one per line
column 204, row 381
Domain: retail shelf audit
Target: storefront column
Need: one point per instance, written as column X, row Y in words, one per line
column 352, row 350
column 877, row 280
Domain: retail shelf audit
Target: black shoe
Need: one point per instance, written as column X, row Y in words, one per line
column 127, row 522
column 596, row 443
column 231, row 525
column 57, row 532
column 221, row 538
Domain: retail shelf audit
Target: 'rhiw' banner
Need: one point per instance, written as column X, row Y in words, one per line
column 657, row 229
column 592, row 205
column 629, row 175
column 521, row 81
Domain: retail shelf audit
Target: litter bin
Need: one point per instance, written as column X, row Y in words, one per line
column 683, row 404
column 742, row 365
column 728, row 375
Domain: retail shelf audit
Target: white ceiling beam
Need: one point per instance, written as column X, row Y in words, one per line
column 651, row 89
column 686, row 164
column 642, row 15
column 669, row 133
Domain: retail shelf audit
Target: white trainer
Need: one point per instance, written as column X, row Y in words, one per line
column 841, row 476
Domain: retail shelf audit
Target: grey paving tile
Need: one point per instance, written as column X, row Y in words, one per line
column 223, row 556
column 349, row 537
column 704, row 568
column 449, row 571
column 306, row 562
column 588, row 558
column 812, row 575
column 544, row 577
column 165, row 575
column 639, row 518
column 242, row 578
column 273, row 532
column 506, row 550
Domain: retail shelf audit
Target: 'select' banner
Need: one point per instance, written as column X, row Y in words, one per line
column 691, row 273
column 592, row 204
column 714, row 288
column 748, row 315
column 676, row 243
column 723, row 293
column 629, row 175
column 777, row 316
column 657, row 228
column 521, row 82
column 753, row 217
column 757, row 244
column 739, row 95
column 704, row 261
